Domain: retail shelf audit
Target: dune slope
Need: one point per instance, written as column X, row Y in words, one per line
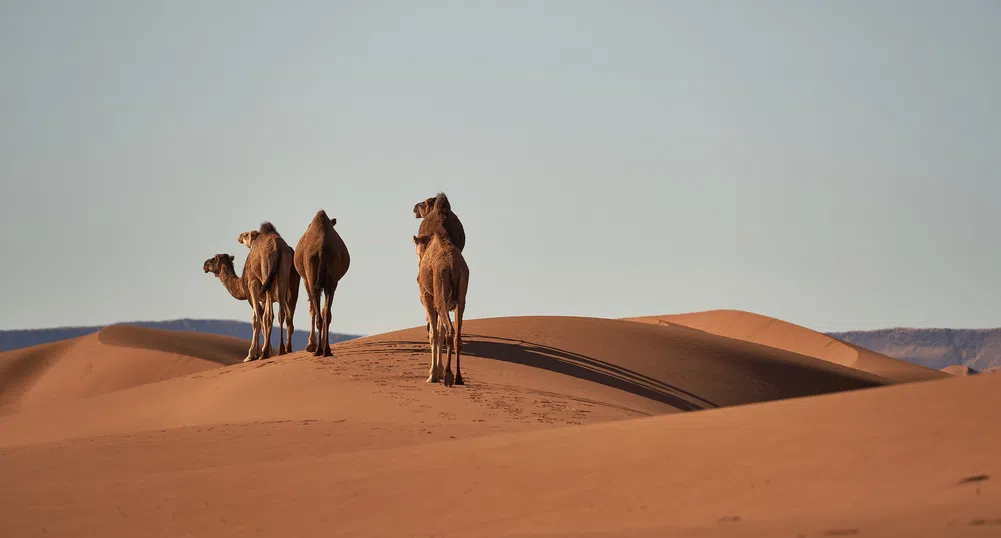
column 784, row 335
column 115, row 358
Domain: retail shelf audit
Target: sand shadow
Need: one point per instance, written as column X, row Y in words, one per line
column 567, row 363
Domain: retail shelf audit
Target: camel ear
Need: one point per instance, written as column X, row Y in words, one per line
column 231, row 258
column 333, row 222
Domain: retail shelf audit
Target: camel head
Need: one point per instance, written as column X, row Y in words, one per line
column 421, row 209
column 421, row 245
column 217, row 263
column 247, row 238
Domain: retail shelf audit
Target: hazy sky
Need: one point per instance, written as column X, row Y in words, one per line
column 836, row 164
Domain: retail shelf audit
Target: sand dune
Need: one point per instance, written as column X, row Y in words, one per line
column 567, row 426
column 784, row 335
column 523, row 370
column 116, row 358
column 959, row 369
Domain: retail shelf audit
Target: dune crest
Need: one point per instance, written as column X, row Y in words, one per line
column 959, row 370
column 780, row 334
column 115, row 358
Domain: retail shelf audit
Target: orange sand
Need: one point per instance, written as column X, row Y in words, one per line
column 784, row 335
column 566, row 427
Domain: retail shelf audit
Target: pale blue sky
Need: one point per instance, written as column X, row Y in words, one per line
column 836, row 164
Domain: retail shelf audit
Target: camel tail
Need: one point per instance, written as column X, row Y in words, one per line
column 318, row 281
column 444, row 296
column 443, row 301
column 322, row 221
column 270, row 279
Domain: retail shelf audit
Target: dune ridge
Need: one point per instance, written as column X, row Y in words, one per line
column 798, row 339
column 115, row 358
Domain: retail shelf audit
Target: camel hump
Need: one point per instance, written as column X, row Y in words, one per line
column 268, row 228
column 441, row 202
column 322, row 219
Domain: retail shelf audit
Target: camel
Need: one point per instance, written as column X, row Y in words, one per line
column 221, row 265
column 445, row 219
column 261, row 272
column 322, row 258
column 443, row 278
column 286, row 324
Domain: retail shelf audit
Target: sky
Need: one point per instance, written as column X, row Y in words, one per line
column 836, row 164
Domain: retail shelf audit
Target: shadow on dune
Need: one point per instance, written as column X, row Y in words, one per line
column 568, row 363
column 582, row 367
column 19, row 367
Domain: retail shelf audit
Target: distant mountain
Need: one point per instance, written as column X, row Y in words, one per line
column 16, row 339
column 977, row 349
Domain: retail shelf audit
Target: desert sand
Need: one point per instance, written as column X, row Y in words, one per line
column 959, row 369
column 566, row 427
column 784, row 335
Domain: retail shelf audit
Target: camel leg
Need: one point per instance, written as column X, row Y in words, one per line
column 289, row 330
column 457, row 342
column 322, row 347
column 314, row 323
column 327, row 319
column 281, row 330
column 445, row 342
column 253, row 338
column 255, row 341
column 439, row 348
column 433, row 375
column 282, row 321
column 427, row 327
column 252, row 352
column 269, row 321
column 431, row 339
column 292, row 297
column 447, row 332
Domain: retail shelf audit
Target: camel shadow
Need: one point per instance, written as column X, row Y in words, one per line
column 572, row 364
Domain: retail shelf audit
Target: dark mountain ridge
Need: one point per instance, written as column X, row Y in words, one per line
column 977, row 349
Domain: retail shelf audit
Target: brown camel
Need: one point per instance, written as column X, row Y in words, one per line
column 443, row 278
column 448, row 220
column 221, row 265
column 322, row 258
column 262, row 271
column 286, row 323
column 444, row 218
